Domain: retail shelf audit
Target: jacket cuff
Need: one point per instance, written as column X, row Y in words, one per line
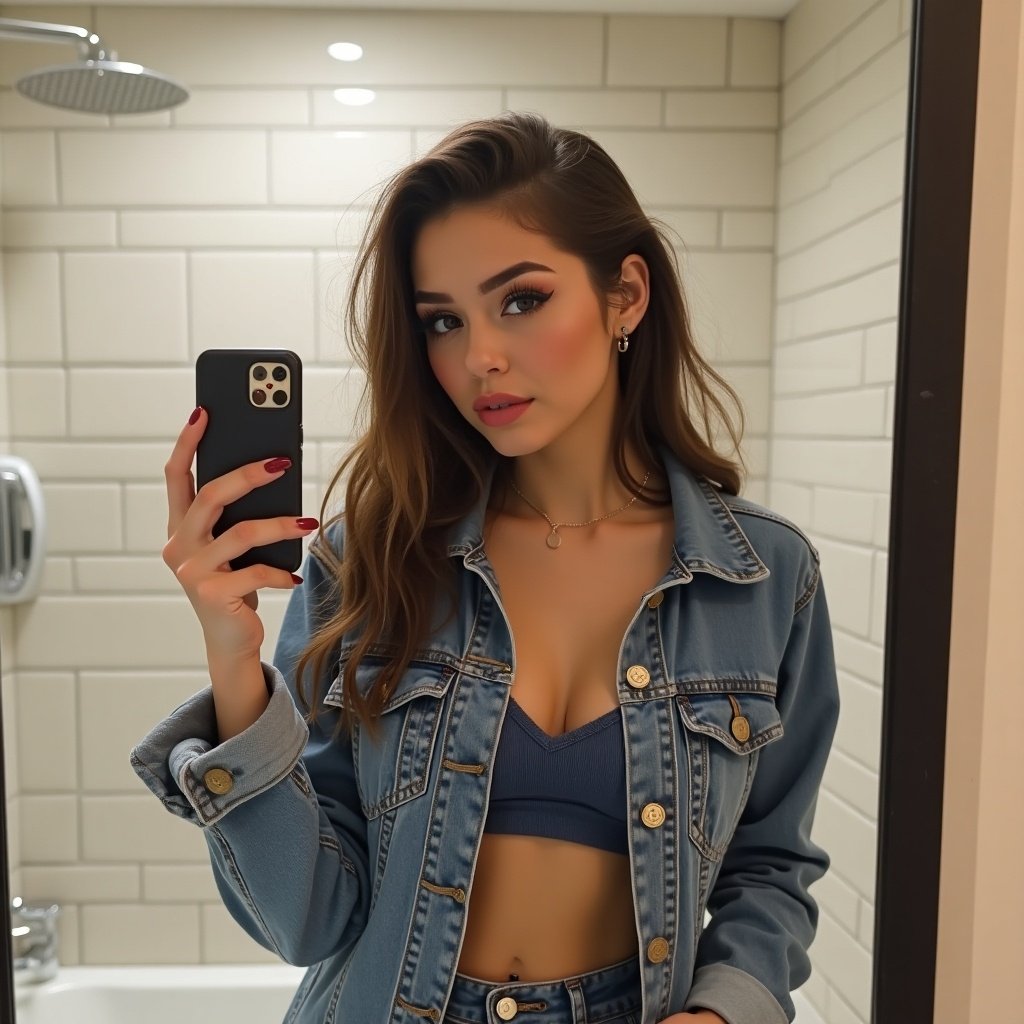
column 177, row 758
column 733, row 994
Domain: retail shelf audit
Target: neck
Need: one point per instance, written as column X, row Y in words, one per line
column 574, row 488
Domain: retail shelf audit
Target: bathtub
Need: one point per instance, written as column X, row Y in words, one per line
column 206, row 994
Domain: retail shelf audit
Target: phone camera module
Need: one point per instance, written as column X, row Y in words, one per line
column 280, row 398
column 259, row 373
column 280, row 373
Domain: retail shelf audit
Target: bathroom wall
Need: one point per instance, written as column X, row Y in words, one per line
column 7, row 677
column 130, row 244
column 842, row 139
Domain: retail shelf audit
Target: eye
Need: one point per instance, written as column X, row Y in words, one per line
column 429, row 322
column 526, row 296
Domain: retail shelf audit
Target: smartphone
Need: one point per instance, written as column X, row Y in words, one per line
column 253, row 397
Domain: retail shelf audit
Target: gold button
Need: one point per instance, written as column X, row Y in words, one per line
column 740, row 728
column 637, row 676
column 218, row 781
column 507, row 1008
column 653, row 815
column 657, row 950
column 655, row 599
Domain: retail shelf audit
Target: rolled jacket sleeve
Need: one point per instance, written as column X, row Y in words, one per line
column 277, row 803
column 753, row 952
column 174, row 758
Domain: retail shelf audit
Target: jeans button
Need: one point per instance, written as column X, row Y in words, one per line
column 507, row 1008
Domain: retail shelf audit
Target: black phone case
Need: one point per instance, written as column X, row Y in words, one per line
column 238, row 432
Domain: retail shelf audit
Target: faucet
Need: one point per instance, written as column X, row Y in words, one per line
column 34, row 938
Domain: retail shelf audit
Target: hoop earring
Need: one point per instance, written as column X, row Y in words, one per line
column 624, row 340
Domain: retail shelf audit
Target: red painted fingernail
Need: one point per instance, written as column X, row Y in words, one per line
column 276, row 465
column 307, row 523
column 192, row 419
column 298, row 579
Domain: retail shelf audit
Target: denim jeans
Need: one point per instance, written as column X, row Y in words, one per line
column 609, row 995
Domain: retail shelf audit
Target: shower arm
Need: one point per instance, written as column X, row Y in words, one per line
column 90, row 46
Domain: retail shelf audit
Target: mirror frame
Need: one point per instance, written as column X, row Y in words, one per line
column 938, row 184
column 942, row 99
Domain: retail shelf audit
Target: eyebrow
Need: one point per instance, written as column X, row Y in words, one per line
column 486, row 286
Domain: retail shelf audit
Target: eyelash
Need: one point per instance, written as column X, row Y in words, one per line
column 432, row 316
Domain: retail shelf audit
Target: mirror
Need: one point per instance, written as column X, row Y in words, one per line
column 771, row 138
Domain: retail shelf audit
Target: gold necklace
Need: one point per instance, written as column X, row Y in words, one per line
column 553, row 540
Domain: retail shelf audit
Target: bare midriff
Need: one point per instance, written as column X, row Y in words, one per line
column 545, row 908
column 541, row 908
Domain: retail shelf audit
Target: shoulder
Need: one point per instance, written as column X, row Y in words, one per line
column 768, row 524
column 779, row 542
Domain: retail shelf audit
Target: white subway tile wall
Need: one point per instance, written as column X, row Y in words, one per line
column 772, row 151
column 839, row 201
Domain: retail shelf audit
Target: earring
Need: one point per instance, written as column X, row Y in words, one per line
column 624, row 340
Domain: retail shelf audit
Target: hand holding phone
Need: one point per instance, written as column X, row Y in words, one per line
column 224, row 599
column 211, row 547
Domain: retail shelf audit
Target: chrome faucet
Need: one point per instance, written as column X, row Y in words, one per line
column 34, row 938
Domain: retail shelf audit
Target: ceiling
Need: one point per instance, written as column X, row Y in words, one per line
column 718, row 8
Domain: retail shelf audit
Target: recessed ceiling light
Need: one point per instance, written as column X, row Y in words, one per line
column 355, row 97
column 345, row 51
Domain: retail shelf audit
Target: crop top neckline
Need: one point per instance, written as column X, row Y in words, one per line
column 564, row 739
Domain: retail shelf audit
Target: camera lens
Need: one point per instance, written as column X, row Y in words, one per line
column 259, row 372
column 280, row 397
column 280, row 372
column 259, row 396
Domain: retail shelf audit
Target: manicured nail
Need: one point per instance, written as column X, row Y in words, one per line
column 298, row 579
column 192, row 419
column 307, row 523
column 276, row 465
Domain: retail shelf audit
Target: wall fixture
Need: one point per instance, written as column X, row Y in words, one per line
column 98, row 83
column 22, row 530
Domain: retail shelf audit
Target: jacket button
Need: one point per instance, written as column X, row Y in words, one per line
column 740, row 728
column 655, row 599
column 637, row 676
column 507, row 1008
column 653, row 815
column 657, row 950
column 219, row 781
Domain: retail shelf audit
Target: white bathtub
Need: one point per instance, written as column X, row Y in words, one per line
column 206, row 994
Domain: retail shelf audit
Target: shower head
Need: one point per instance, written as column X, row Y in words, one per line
column 102, row 87
column 98, row 83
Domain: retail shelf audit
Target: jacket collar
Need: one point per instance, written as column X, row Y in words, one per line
column 707, row 536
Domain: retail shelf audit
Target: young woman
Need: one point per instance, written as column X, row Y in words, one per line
column 569, row 690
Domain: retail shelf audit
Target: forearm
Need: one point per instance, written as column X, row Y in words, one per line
column 240, row 694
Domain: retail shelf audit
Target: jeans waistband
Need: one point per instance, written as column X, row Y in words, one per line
column 602, row 995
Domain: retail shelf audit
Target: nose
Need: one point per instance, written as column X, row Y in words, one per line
column 485, row 349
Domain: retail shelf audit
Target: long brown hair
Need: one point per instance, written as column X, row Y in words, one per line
column 417, row 466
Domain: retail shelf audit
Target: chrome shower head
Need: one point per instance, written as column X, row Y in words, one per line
column 102, row 87
column 98, row 83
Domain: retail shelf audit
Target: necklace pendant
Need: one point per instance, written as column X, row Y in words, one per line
column 553, row 540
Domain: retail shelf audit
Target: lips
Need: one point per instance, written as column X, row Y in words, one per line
column 498, row 398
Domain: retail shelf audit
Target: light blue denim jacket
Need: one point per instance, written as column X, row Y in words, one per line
column 358, row 859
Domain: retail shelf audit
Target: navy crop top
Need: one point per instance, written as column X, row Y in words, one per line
column 565, row 787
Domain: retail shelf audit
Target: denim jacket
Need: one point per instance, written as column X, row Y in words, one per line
column 357, row 859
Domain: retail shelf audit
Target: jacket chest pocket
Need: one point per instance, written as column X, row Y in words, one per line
column 393, row 768
column 723, row 730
